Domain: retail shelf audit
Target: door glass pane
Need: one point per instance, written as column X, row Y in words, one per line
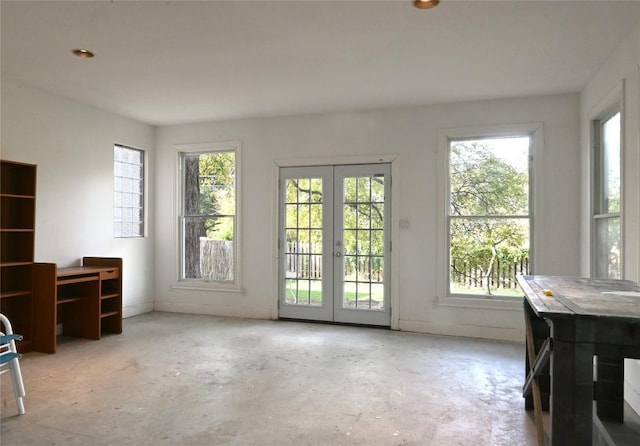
column 292, row 216
column 364, row 216
column 377, row 242
column 350, row 218
column 303, row 251
column 363, row 235
column 377, row 189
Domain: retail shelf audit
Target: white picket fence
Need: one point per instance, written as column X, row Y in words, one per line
column 301, row 263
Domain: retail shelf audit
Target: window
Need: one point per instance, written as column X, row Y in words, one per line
column 208, row 217
column 488, row 213
column 128, row 192
column 607, row 258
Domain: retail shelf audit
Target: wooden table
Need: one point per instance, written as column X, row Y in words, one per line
column 85, row 300
column 572, row 320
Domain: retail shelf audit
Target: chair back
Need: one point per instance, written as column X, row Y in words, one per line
column 9, row 357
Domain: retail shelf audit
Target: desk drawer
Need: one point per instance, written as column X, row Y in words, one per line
column 110, row 274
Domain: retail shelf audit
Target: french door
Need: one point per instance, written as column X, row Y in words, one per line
column 334, row 244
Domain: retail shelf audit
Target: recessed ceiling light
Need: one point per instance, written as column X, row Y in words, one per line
column 83, row 53
column 425, row 4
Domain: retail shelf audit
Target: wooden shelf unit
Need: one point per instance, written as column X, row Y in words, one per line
column 17, row 234
column 110, row 292
column 86, row 300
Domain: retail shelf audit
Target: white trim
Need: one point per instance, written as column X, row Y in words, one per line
column 501, row 131
column 462, row 330
column 335, row 160
column 536, row 130
column 136, row 309
column 202, row 285
column 212, row 310
column 275, row 243
column 482, row 302
column 217, row 146
column 395, row 250
column 631, row 393
column 609, row 101
column 614, row 100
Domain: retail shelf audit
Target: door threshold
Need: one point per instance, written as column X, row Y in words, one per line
column 346, row 324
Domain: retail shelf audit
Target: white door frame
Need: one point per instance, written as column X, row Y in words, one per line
column 324, row 161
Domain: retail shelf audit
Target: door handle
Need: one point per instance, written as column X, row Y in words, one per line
column 338, row 254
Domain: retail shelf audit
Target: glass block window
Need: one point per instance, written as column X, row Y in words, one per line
column 128, row 192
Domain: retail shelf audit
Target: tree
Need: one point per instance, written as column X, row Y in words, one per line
column 363, row 219
column 194, row 227
column 209, row 203
column 487, row 196
column 217, row 183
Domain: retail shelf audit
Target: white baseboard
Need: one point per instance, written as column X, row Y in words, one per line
column 213, row 310
column 467, row 331
column 134, row 310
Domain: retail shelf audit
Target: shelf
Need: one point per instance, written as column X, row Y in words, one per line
column 10, row 264
column 109, row 313
column 21, row 196
column 17, row 179
column 16, row 247
column 66, row 300
column 77, row 280
column 17, row 235
column 15, row 293
column 109, row 296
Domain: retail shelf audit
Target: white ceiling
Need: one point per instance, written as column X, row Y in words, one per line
column 171, row 62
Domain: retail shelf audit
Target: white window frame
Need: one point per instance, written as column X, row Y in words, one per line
column 613, row 103
column 142, row 193
column 201, row 284
column 535, row 132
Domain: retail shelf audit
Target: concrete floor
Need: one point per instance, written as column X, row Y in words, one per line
column 174, row 379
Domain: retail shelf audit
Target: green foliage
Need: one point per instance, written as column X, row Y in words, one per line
column 484, row 190
column 483, row 184
column 217, row 174
column 363, row 209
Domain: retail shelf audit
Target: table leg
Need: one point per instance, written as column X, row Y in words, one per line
column 610, row 384
column 535, row 391
column 571, row 391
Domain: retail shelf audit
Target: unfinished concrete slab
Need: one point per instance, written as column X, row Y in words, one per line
column 181, row 379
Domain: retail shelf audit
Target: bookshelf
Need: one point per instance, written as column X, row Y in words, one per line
column 17, row 234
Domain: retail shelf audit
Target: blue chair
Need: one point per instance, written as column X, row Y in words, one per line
column 9, row 357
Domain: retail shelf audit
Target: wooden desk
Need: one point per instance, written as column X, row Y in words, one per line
column 584, row 318
column 86, row 300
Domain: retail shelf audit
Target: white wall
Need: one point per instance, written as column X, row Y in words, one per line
column 72, row 144
column 623, row 67
column 412, row 133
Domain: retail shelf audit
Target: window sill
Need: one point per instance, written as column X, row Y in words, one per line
column 198, row 285
column 482, row 302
